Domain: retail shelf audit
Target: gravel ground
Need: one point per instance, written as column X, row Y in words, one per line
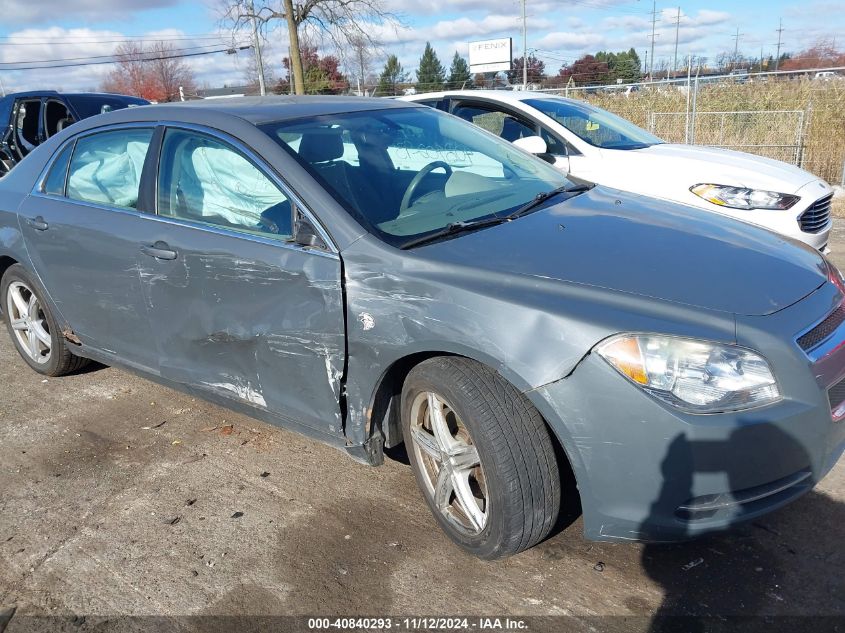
column 119, row 497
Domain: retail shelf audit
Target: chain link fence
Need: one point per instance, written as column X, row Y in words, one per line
column 792, row 117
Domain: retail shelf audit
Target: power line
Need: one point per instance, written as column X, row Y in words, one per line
column 142, row 59
column 73, row 42
column 91, row 57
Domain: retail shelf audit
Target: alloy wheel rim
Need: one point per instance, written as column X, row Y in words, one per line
column 29, row 323
column 449, row 463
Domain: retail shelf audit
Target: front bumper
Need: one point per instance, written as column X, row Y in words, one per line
column 646, row 471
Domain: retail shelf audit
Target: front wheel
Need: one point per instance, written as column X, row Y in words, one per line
column 482, row 456
column 33, row 327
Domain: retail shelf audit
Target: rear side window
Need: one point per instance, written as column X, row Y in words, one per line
column 54, row 184
column 106, row 167
column 204, row 180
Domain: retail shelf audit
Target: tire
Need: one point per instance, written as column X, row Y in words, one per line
column 48, row 353
column 500, row 457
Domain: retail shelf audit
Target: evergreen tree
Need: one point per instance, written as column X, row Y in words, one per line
column 459, row 75
column 431, row 74
column 391, row 77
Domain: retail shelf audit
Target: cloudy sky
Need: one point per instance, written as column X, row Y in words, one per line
column 34, row 31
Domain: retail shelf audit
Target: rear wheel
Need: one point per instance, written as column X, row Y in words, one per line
column 33, row 327
column 482, row 456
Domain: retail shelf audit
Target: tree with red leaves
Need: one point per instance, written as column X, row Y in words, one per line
column 586, row 71
column 822, row 54
column 322, row 74
column 152, row 73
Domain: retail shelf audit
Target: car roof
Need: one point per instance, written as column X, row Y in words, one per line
column 54, row 93
column 504, row 96
column 258, row 110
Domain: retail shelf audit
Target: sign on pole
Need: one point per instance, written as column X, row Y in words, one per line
column 490, row 55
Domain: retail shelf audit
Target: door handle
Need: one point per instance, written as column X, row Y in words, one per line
column 159, row 250
column 38, row 223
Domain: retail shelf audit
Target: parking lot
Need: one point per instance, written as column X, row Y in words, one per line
column 122, row 497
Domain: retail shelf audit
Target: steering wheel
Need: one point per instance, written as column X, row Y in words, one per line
column 425, row 171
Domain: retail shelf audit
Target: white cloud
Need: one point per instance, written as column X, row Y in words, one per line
column 38, row 11
column 566, row 41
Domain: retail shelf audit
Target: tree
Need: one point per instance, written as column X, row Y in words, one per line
column 536, row 70
column 822, row 54
column 459, row 75
column 624, row 66
column 585, row 71
column 358, row 61
column 431, row 74
column 339, row 20
column 391, row 77
column 154, row 73
column 321, row 74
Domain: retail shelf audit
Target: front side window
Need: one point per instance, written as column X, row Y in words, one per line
column 417, row 171
column 106, row 167
column 593, row 125
column 502, row 124
column 56, row 117
column 205, row 180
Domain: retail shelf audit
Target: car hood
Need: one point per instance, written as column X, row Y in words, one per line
column 714, row 166
column 633, row 244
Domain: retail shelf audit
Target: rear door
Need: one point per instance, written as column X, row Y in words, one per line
column 82, row 228
column 236, row 307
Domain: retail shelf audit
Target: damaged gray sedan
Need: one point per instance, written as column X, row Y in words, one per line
column 373, row 273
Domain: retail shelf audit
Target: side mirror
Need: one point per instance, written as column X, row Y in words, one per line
column 305, row 235
column 532, row 144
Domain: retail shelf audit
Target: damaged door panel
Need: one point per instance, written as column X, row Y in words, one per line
column 260, row 323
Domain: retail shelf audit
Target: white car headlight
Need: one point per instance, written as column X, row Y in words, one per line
column 696, row 376
column 743, row 198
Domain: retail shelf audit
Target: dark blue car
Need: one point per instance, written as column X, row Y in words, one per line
column 30, row 118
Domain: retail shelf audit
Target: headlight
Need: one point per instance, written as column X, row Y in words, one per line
column 742, row 198
column 695, row 376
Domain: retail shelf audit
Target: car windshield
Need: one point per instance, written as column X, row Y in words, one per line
column 595, row 126
column 405, row 173
column 91, row 105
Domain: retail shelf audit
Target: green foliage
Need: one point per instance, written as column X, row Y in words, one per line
column 391, row 77
column 431, row 75
column 459, row 75
column 624, row 65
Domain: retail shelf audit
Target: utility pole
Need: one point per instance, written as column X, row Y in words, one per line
column 256, row 43
column 780, row 33
column 524, row 49
column 677, row 30
column 653, row 35
column 736, row 48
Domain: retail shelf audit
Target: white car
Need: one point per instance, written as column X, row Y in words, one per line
column 592, row 144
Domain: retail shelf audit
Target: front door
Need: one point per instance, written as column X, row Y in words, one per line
column 82, row 236
column 236, row 307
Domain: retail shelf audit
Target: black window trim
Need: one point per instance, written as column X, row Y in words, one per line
column 455, row 102
column 332, row 251
column 297, row 206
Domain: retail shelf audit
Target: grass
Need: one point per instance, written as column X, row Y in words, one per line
column 838, row 208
